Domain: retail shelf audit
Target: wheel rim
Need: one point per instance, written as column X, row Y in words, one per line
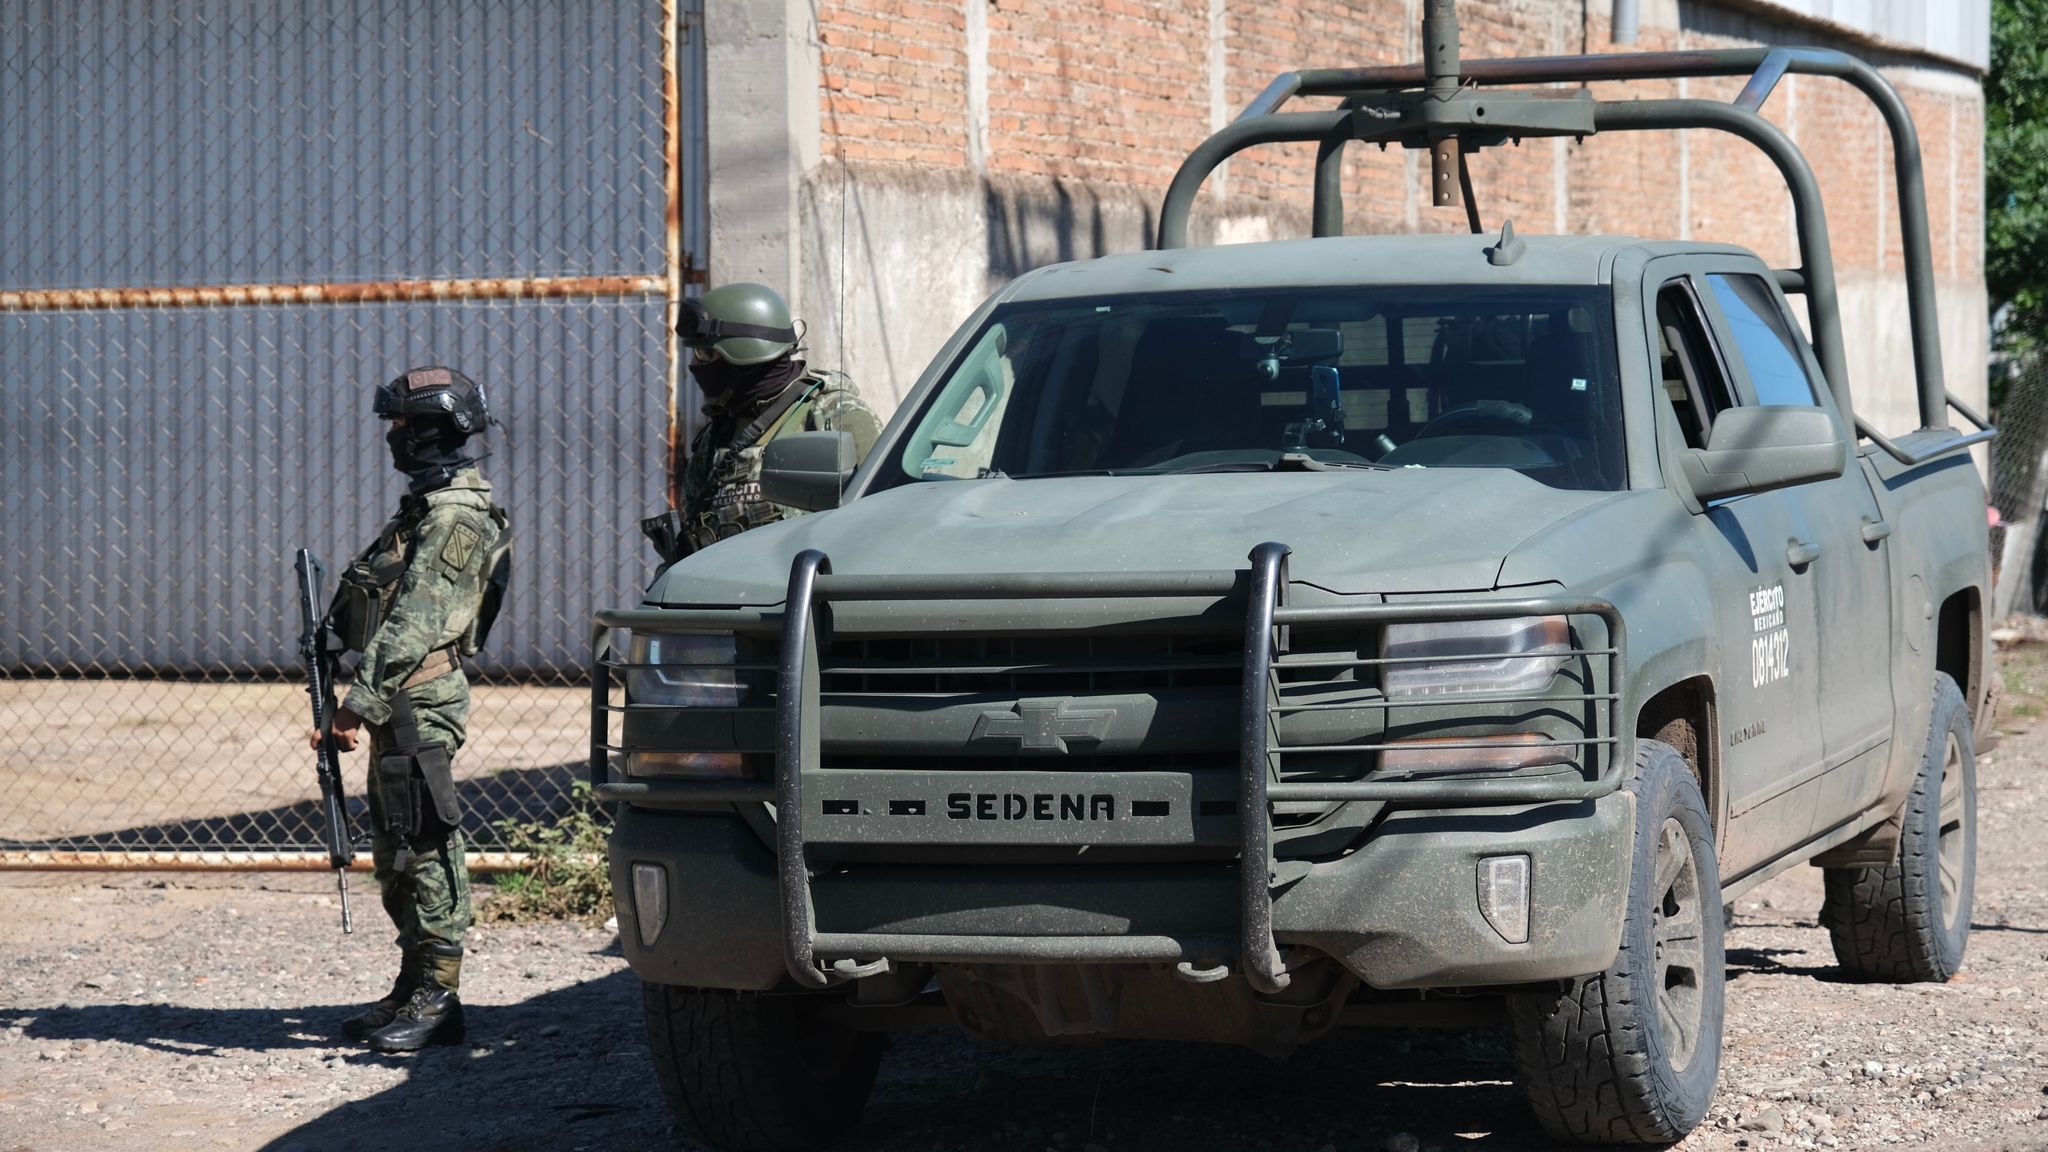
column 1676, row 924
column 1953, row 843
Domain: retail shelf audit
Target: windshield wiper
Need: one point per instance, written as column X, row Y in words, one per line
column 1224, row 466
column 1307, row 463
column 1287, row 462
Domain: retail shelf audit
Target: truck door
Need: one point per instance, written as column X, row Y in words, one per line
column 1770, row 749
column 1842, row 525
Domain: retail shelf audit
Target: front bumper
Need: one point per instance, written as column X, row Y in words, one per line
column 1399, row 907
column 1401, row 911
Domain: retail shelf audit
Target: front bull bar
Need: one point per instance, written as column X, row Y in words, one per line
column 798, row 752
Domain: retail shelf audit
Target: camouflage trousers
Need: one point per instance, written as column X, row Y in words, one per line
column 428, row 902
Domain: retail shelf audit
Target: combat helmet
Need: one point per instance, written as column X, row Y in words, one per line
column 742, row 323
column 435, row 393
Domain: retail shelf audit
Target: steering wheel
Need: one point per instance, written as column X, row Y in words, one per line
column 1480, row 418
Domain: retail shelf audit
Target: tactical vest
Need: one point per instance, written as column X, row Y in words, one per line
column 723, row 496
column 362, row 598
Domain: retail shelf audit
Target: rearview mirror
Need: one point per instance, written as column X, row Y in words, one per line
column 1759, row 449
column 807, row 470
column 1294, row 347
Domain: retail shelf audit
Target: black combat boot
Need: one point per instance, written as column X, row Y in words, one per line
column 433, row 1014
column 384, row 1011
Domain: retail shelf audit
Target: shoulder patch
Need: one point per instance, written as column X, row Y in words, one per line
column 459, row 548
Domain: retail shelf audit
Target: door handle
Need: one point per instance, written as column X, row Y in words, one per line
column 1799, row 553
column 1875, row 530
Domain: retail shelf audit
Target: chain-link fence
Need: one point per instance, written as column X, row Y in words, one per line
column 222, row 224
column 2019, row 487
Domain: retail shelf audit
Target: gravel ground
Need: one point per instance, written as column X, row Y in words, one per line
column 200, row 1012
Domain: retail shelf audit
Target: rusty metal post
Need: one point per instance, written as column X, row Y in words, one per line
column 342, row 292
column 672, row 232
column 207, row 860
column 1440, row 73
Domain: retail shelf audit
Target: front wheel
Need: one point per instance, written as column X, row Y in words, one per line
column 1909, row 920
column 1630, row 1055
column 753, row 1072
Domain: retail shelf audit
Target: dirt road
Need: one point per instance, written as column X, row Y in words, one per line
column 145, row 1013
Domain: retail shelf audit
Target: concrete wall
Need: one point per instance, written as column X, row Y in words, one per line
column 959, row 143
column 1958, row 30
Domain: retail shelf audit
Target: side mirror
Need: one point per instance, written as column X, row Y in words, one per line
column 807, row 470
column 1758, row 449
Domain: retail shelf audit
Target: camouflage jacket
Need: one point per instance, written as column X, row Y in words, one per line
column 722, row 481
column 444, row 539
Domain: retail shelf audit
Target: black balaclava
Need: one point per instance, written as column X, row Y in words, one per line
column 429, row 452
column 740, row 388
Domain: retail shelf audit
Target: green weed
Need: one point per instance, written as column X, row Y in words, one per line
column 565, row 876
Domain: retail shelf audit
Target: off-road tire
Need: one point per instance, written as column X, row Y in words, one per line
column 750, row 1072
column 1607, row 1058
column 1909, row 921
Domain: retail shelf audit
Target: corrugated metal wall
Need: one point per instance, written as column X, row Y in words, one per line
column 160, row 464
column 158, row 467
column 215, row 141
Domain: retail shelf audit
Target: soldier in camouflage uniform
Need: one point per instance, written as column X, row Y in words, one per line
column 743, row 348
column 414, row 603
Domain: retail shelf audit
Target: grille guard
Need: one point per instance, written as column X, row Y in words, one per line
column 797, row 749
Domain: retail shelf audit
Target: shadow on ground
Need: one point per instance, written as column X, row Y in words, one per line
column 586, row 1082
column 522, row 795
column 589, row 1083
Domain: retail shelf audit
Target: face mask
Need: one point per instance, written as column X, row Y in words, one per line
column 395, row 438
column 428, row 452
column 717, row 377
column 736, row 387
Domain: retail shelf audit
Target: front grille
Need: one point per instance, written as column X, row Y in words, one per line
column 1224, row 761
column 1030, row 665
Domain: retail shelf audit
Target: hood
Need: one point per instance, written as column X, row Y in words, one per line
column 1408, row 530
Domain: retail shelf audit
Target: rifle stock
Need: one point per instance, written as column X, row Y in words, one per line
column 319, row 661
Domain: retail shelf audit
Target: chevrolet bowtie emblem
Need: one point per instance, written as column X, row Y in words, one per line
column 1043, row 725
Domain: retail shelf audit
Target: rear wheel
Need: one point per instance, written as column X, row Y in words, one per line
column 758, row 1073
column 1630, row 1055
column 1910, row 920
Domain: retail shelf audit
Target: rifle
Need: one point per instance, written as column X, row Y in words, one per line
column 341, row 851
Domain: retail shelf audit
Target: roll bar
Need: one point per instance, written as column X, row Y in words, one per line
column 1440, row 104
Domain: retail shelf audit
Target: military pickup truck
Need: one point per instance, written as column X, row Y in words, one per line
column 1232, row 644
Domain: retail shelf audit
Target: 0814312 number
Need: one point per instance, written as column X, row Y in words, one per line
column 1770, row 657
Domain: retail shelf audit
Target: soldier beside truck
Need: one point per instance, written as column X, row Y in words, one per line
column 414, row 603
column 1236, row 643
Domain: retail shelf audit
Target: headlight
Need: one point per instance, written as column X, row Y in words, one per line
column 1515, row 655
column 685, row 670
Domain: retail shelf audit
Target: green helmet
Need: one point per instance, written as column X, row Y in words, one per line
column 743, row 323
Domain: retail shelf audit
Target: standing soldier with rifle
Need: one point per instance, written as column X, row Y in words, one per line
column 416, row 601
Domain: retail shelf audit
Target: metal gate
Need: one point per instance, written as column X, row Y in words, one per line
column 221, row 224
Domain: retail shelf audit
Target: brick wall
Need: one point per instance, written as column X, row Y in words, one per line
column 1110, row 95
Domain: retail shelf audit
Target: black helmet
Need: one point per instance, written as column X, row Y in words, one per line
column 435, row 393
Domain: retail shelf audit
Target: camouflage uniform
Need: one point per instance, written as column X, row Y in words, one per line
column 444, row 539
column 722, row 484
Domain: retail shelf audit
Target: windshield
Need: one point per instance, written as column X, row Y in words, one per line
column 1381, row 377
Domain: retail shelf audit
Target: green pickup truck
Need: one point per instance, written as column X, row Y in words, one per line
column 1231, row 644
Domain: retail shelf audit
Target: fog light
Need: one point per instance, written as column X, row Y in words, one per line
column 1504, row 896
column 650, row 901
column 1443, row 754
column 723, row 764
